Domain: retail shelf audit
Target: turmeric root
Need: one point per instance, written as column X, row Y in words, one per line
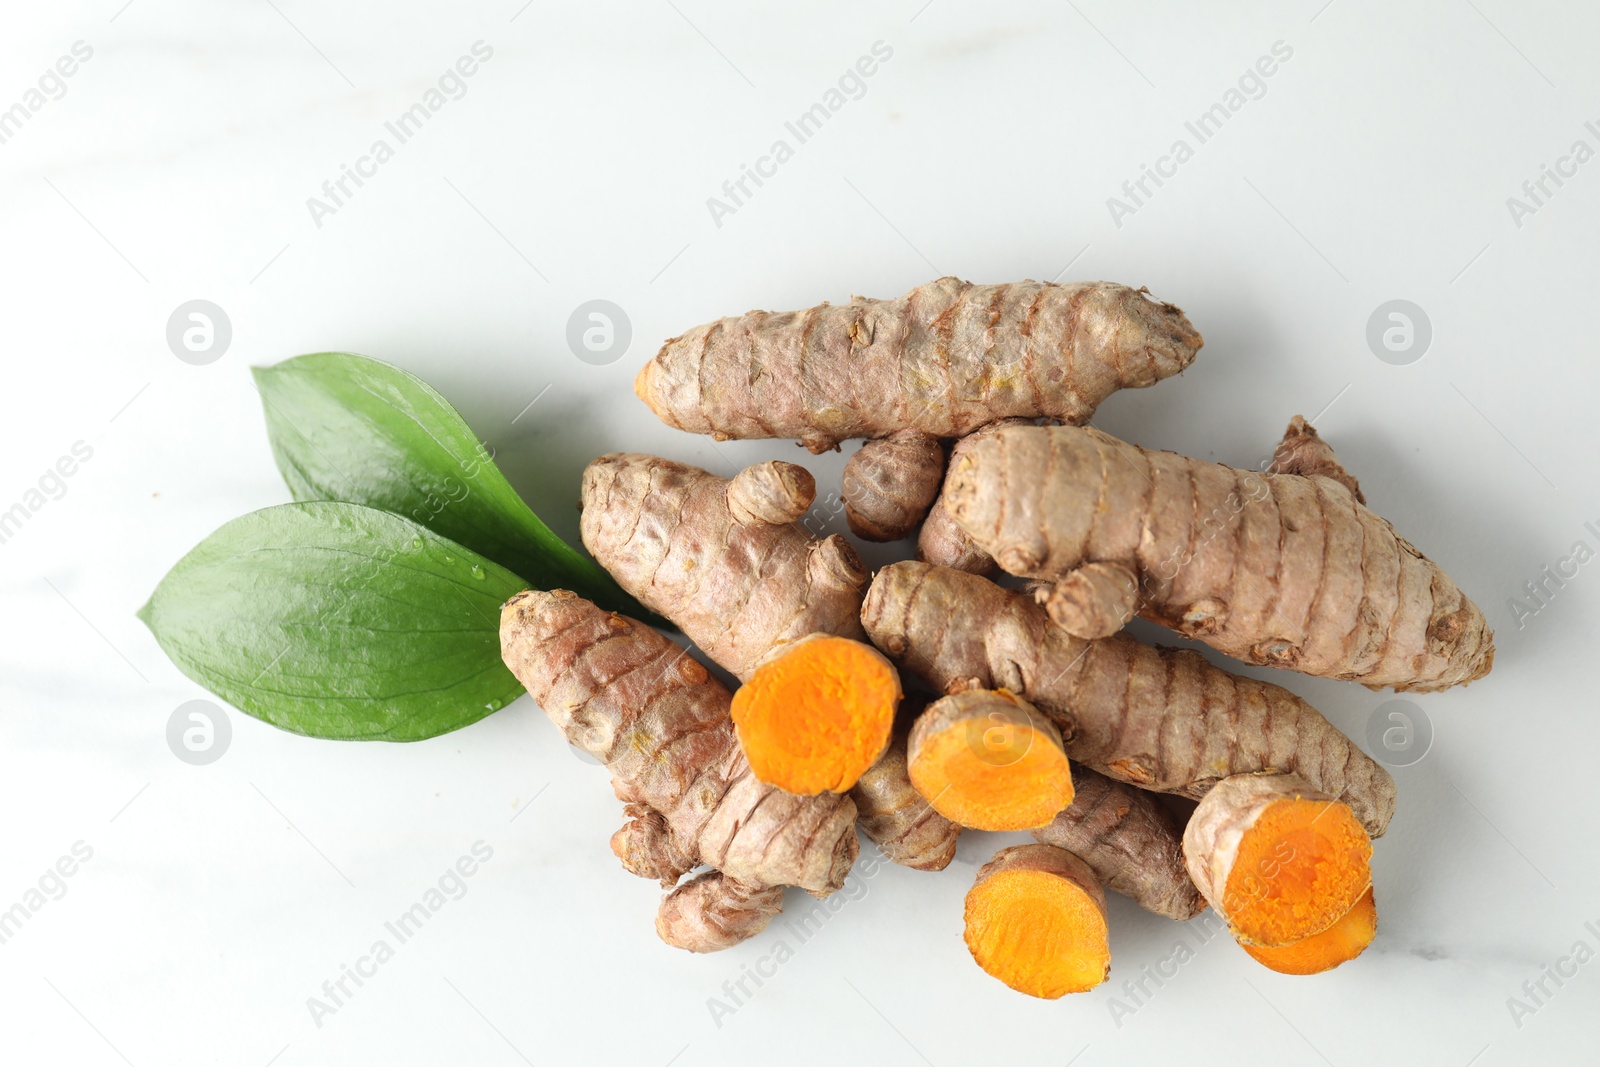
column 889, row 484
column 944, row 359
column 1130, row 843
column 620, row 691
column 1277, row 860
column 989, row 760
column 713, row 912
column 704, row 553
column 817, row 715
column 1340, row 943
column 770, row 494
column 898, row 819
column 942, row 541
column 1036, row 920
column 1158, row 718
column 1280, row 569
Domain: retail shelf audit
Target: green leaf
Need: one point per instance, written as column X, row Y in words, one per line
column 345, row 427
column 339, row 621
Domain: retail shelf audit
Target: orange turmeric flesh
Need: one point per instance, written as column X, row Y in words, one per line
column 814, row 719
column 1339, row 943
column 989, row 761
column 1037, row 930
column 1299, row 867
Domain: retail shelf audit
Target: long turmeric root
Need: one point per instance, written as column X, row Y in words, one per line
column 707, row 554
column 1277, row 860
column 628, row 696
column 1282, row 569
column 817, row 715
column 1129, row 841
column 944, row 359
column 989, row 761
column 1036, row 920
column 1340, row 943
column 898, row 819
column 1158, row 718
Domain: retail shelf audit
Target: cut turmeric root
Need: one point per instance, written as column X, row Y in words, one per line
column 1157, row 718
column 1036, row 920
column 816, row 717
column 988, row 760
column 1339, row 943
column 1276, row 859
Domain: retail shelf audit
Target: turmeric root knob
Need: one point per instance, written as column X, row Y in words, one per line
column 713, row 912
column 1036, row 920
column 988, row 760
column 1278, row 860
column 1339, row 943
column 816, row 717
column 890, row 483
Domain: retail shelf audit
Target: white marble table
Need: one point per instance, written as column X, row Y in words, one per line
column 595, row 152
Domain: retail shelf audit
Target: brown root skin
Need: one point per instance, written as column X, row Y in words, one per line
column 898, row 819
column 1339, row 943
column 942, row 542
column 1303, row 451
column 1277, row 860
column 667, row 534
column 890, row 483
column 818, row 714
column 628, row 696
column 1129, row 841
column 1285, row 570
column 1094, row 601
column 944, row 359
column 988, row 760
column 1158, row 718
column 1035, row 919
column 712, row 912
column 771, row 494
column 646, row 847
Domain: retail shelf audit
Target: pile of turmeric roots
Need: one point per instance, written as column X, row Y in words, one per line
column 1029, row 708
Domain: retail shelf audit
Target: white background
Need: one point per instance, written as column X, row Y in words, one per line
column 1376, row 165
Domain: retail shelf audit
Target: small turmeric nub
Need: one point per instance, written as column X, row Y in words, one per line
column 1278, row 860
column 1339, row 943
column 989, row 760
column 1036, row 920
column 816, row 717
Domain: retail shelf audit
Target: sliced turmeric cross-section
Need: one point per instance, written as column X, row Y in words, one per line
column 816, row 717
column 1036, row 920
column 1279, row 861
column 987, row 759
column 1340, row 943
